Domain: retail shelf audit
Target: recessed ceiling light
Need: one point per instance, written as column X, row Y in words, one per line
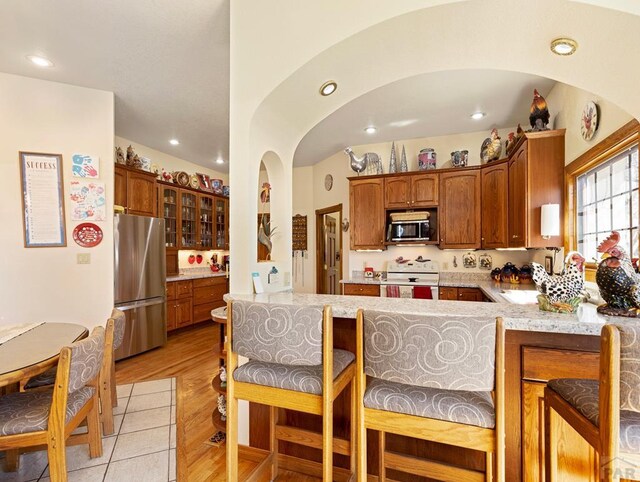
column 219, row 161
column 328, row 88
column 174, row 142
column 478, row 115
column 371, row 130
column 563, row 46
column 40, row 61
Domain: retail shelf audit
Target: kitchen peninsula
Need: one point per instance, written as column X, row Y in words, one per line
column 539, row 346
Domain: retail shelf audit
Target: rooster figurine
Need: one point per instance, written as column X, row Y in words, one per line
column 617, row 280
column 510, row 143
column 561, row 293
column 539, row 116
column 491, row 147
column 357, row 164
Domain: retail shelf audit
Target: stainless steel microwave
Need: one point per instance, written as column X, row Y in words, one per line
column 408, row 231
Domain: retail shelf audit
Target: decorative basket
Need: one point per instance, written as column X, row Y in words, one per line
column 421, row 216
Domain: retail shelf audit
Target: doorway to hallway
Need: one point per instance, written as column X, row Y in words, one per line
column 329, row 250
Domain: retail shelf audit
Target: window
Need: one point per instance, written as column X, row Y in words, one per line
column 606, row 200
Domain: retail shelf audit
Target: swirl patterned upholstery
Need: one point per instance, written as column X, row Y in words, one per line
column 29, row 411
column 119, row 321
column 86, row 359
column 307, row 379
column 629, row 366
column 583, row 395
column 45, row 379
column 469, row 408
column 453, row 353
column 271, row 333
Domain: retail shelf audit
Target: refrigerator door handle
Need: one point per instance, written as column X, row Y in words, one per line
column 140, row 304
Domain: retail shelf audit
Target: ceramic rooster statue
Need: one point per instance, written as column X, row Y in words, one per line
column 510, row 143
column 358, row 165
column 561, row 293
column 539, row 116
column 491, row 147
column 617, row 280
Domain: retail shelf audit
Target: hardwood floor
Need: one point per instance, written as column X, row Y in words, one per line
column 191, row 355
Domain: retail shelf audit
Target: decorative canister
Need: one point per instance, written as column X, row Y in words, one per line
column 216, row 184
column 507, row 270
column 526, row 274
column 495, row 274
column 225, row 191
column 426, row 159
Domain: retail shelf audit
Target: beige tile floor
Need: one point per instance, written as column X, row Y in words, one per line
column 143, row 447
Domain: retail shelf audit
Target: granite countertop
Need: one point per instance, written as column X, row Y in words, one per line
column 199, row 275
column 516, row 316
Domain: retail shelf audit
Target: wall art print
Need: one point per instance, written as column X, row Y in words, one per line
column 85, row 166
column 88, row 201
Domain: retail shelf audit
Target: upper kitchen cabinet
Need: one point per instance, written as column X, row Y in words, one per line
column 411, row 191
column 366, row 207
column 460, row 201
column 495, row 209
column 188, row 220
column 536, row 177
column 221, row 240
column 135, row 190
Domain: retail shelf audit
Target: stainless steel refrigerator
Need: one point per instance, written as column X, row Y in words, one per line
column 140, row 276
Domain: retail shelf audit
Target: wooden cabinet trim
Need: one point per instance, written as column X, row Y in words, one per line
column 354, row 289
column 544, row 364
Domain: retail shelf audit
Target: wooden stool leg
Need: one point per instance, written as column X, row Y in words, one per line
column 361, row 445
column 57, row 458
column 327, row 443
column 112, row 383
column 382, row 472
column 550, row 445
column 273, row 444
column 93, row 429
column 353, row 445
column 232, row 437
column 12, row 460
column 489, row 467
column 106, row 406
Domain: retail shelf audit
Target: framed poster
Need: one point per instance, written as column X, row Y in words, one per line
column 42, row 200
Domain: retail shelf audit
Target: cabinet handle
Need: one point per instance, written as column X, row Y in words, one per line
column 412, row 202
column 515, row 236
column 408, row 202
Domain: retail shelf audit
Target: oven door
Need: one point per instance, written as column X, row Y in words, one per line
column 402, row 290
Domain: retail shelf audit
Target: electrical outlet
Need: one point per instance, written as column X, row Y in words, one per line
column 83, row 258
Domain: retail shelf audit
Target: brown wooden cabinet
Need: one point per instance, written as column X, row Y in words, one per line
column 355, row 289
column 459, row 214
column 366, row 207
column 135, row 190
column 409, row 192
column 495, row 206
column 536, row 177
column 460, row 294
column 191, row 301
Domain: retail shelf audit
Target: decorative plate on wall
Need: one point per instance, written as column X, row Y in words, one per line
column 87, row 235
column 589, row 120
column 328, row 182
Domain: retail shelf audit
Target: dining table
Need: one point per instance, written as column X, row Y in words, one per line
column 29, row 349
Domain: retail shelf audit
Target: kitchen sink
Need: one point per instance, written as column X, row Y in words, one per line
column 521, row 297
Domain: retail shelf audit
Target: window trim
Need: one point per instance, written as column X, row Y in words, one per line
column 614, row 144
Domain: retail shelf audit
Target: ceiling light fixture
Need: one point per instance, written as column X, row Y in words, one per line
column 328, row 88
column 174, row 142
column 371, row 130
column 563, row 46
column 40, row 61
column 478, row 115
column 219, row 161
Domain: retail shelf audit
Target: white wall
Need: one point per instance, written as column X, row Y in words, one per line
column 565, row 105
column 46, row 283
column 168, row 162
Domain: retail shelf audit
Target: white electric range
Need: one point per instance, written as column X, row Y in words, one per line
column 403, row 277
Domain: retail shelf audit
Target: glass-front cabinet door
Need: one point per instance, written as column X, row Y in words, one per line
column 221, row 224
column 188, row 223
column 206, row 221
column 170, row 214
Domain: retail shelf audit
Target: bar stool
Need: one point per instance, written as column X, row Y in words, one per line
column 292, row 365
column 431, row 378
column 605, row 412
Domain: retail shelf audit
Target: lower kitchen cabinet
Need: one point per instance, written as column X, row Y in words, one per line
column 364, row 289
column 191, row 301
column 460, row 294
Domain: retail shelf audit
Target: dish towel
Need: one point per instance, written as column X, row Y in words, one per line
column 406, row 291
column 393, row 291
column 423, row 292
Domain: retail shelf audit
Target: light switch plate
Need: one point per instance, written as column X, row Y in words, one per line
column 83, row 258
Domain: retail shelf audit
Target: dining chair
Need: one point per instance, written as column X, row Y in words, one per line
column 114, row 335
column 292, row 365
column 605, row 412
column 434, row 378
column 48, row 417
